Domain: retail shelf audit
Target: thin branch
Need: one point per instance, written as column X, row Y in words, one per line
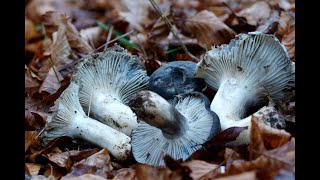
column 174, row 32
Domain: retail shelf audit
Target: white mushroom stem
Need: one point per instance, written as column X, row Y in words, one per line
column 112, row 112
column 91, row 130
column 156, row 111
column 70, row 120
column 230, row 104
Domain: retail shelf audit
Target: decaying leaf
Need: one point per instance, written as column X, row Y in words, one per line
column 30, row 139
column 288, row 40
column 256, row 14
column 262, row 136
column 224, row 137
column 84, row 177
column 199, row 168
column 209, row 29
column 251, row 175
column 29, row 29
column 33, row 168
column 97, row 164
column 53, row 19
column 136, row 14
column 124, row 174
column 52, row 82
column 68, row 158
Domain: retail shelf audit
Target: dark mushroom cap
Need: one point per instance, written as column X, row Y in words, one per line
column 150, row 144
column 175, row 78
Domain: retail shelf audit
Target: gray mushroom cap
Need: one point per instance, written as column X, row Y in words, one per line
column 176, row 128
column 175, row 78
column 244, row 72
column 107, row 80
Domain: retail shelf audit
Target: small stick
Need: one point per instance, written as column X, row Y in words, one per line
column 166, row 20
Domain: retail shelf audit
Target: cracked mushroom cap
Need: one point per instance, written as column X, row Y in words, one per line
column 256, row 61
column 188, row 123
column 69, row 119
column 108, row 79
column 175, row 78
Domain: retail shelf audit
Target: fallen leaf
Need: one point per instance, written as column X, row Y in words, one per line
column 199, row 168
column 136, row 13
column 224, row 137
column 160, row 29
column 92, row 35
column 262, row 136
column 288, row 40
column 256, row 14
column 271, row 25
column 251, row 175
column 29, row 29
column 68, row 158
column 33, row 168
column 230, row 156
column 286, row 22
column 124, row 174
column 84, row 177
column 41, row 177
column 52, row 82
column 60, row 49
column 53, row 19
column 30, row 139
column 61, row 141
column 209, row 29
column 97, row 164
column 147, row 172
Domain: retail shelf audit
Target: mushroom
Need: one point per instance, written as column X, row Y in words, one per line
column 107, row 80
column 176, row 128
column 69, row 119
column 175, row 78
column 245, row 71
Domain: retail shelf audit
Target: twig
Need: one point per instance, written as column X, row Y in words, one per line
column 174, row 32
column 123, row 35
column 54, row 70
column 109, row 36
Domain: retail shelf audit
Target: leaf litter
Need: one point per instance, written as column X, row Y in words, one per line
column 59, row 33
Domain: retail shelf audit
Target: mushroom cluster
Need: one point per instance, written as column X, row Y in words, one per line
column 99, row 91
column 249, row 68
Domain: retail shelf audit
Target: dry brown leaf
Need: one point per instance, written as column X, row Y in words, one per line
column 52, row 82
column 66, row 159
column 53, row 19
column 84, row 177
column 199, row 168
column 160, row 29
column 60, row 49
column 124, row 174
column 97, row 164
column 250, row 175
column 30, row 139
column 286, row 22
column 29, row 29
column 41, row 177
column 230, row 156
column 30, row 80
column 264, row 137
column 147, row 172
column 92, row 35
column 288, row 40
column 208, row 29
column 136, row 14
column 256, row 14
column 33, row 168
